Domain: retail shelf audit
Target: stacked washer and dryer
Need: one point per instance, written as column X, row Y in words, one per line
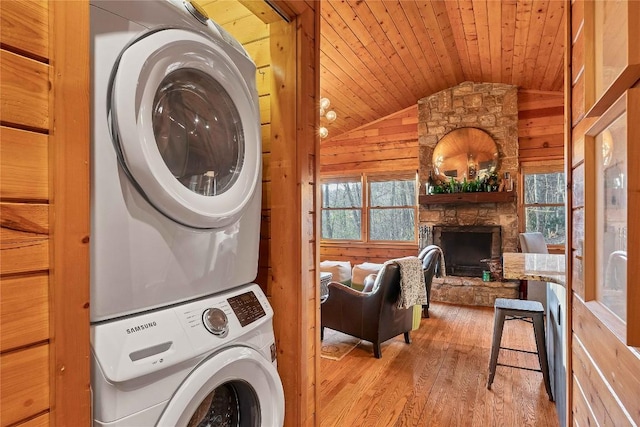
column 179, row 334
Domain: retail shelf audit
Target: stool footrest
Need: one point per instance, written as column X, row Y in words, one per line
column 518, row 349
column 518, row 367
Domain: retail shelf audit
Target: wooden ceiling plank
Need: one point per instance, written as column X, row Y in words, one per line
column 416, row 44
column 347, row 104
column 367, row 50
column 523, row 13
column 384, row 22
column 453, row 13
column 553, row 21
column 536, row 27
column 436, row 38
column 508, row 37
column 373, row 29
column 471, row 37
column 360, row 65
column 494, row 16
column 453, row 55
column 555, row 61
column 337, row 50
column 482, row 29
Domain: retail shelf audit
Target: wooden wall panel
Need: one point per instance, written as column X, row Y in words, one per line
column 24, row 384
column 44, row 234
column 25, row 91
column 293, row 248
column 24, row 165
column 540, row 125
column 616, row 363
column 24, row 27
column 24, row 237
column 24, row 311
column 358, row 253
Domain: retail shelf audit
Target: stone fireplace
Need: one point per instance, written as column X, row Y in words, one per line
column 492, row 107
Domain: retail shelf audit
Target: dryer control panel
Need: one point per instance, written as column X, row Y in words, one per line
column 247, row 308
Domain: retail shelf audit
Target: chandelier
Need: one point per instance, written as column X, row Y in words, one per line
column 326, row 115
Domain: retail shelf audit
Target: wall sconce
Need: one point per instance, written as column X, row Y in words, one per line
column 326, row 114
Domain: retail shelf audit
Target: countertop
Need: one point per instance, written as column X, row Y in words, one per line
column 543, row 267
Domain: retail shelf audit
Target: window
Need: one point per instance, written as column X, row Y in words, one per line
column 544, row 201
column 385, row 212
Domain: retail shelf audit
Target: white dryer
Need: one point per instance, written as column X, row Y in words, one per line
column 209, row 362
column 176, row 158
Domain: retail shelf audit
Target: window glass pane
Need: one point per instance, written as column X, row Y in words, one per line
column 611, row 216
column 342, row 194
column 198, row 131
column 392, row 193
column 391, row 224
column 548, row 220
column 342, row 224
column 544, row 188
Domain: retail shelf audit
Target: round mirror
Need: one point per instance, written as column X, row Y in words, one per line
column 464, row 152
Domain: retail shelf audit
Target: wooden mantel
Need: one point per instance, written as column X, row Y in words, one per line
column 462, row 198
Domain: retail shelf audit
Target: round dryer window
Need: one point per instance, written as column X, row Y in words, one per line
column 198, row 131
column 186, row 122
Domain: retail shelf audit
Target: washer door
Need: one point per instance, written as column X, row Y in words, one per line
column 236, row 387
column 187, row 127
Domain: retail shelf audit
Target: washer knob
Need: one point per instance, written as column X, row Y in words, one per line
column 215, row 321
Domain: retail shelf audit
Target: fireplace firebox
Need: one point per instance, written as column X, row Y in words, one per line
column 464, row 247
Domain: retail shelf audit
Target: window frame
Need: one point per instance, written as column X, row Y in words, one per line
column 366, row 179
column 538, row 167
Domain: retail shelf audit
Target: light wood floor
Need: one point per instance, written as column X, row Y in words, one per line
column 439, row 379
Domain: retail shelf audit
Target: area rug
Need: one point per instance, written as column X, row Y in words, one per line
column 337, row 345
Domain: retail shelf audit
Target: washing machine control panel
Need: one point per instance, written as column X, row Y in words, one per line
column 246, row 307
column 215, row 321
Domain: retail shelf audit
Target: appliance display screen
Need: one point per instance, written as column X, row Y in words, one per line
column 247, row 308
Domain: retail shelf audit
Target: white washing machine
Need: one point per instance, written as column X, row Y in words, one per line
column 209, row 362
column 176, row 158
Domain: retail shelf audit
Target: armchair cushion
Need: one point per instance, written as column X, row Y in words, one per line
column 340, row 270
column 361, row 271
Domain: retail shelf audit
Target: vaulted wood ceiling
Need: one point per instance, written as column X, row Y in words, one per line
column 378, row 57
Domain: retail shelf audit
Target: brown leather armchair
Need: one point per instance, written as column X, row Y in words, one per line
column 371, row 316
column 430, row 257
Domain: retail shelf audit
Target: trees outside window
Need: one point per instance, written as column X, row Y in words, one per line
column 386, row 211
column 544, row 201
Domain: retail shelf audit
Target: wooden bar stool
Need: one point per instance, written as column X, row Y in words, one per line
column 515, row 309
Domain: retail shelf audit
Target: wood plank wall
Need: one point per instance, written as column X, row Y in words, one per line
column 540, row 125
column 44, row 275
column 605, row 384
column 386, row 145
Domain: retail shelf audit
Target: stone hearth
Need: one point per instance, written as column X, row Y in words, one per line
column 492, row 107
column 471, row 290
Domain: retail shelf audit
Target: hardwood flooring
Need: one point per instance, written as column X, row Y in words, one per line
column 440, row 379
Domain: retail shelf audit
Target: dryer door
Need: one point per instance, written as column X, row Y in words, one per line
column 236, row 387
column 187, row 127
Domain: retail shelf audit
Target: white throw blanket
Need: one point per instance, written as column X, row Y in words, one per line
column 412, row 287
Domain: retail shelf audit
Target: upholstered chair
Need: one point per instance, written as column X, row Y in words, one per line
column 534, row 243
column 371, row 316
column 431, row 260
